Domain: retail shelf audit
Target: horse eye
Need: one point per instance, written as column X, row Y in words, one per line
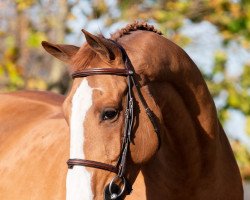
column 109, row 114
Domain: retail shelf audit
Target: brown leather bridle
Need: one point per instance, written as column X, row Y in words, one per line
column 120, row 167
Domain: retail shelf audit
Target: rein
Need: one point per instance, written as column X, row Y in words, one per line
column 120, row 167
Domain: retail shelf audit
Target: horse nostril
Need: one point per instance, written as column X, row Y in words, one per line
column 115, row 191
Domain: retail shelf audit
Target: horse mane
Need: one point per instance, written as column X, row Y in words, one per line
column 85, row 54
column 134, row 27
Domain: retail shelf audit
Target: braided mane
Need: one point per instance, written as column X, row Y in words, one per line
column 134, row 27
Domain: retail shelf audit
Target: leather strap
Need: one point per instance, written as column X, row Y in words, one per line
column 91, row 163
column 102, row 71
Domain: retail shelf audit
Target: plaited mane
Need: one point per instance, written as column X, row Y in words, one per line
column 83, row 57
column 134, row 27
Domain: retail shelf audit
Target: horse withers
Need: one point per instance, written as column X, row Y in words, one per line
column 139, row 115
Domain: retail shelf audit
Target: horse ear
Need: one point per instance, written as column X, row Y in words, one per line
column 102, row 46
column 63, row 52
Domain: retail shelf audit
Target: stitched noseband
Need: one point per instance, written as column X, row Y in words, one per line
column 120, row 167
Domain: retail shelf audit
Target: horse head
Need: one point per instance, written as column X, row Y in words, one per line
column 96, row 110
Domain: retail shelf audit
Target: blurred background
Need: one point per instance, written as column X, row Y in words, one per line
column 215, row 33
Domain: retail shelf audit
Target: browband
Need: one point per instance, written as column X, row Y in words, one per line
column 102, row 71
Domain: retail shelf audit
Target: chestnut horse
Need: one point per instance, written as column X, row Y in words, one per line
column 40, row 131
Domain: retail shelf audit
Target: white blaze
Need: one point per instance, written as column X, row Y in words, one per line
column 78, row 186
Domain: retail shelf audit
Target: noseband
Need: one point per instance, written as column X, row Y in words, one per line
column 120, row 167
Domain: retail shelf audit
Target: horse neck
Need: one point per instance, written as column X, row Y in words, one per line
column 195, row 157
column 194, row 147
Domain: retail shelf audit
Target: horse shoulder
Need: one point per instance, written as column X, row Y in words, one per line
column 33, row 145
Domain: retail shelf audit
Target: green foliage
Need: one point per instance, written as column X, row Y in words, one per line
column 10, row 72
column 24, row 4
column 248, row 125
column 99, row 7
column 242, row 156
column 35, row 38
